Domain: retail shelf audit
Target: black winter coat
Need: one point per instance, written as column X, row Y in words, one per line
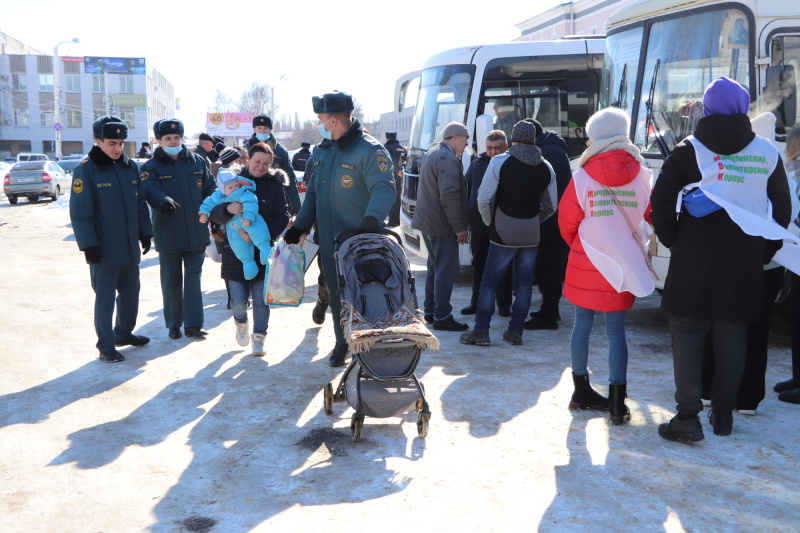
column 475, row 172
column 273, row 209
column 554, row 150
column 716, row 271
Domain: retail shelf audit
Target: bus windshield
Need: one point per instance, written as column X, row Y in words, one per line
column 443, row 98
column 684, row 55
column 620, row 69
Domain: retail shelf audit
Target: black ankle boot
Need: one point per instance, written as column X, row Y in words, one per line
column 616, row 404
column 585, row 397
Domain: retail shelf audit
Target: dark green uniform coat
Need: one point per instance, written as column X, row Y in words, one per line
column 351, row 179
column 186, row 180
column 108, row 209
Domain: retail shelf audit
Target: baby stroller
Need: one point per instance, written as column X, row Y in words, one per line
column 384, row 335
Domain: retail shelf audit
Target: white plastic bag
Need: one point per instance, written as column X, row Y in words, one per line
column 285, row 280
column 211, row 250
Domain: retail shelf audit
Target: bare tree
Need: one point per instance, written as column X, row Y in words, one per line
column 255, row 100
column 307, row 133
column 222, row 104
column 358, row 110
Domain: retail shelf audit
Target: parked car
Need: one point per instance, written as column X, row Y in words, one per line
column 28, row 156
column 68, row 165
column 9, row 159
column 34, row 179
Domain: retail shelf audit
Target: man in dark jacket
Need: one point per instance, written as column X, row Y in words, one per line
column 144, row 151
column 351, row 187
column 496, row 144
column 517, row 193
column 176, row 182
column 262, row 132
column 301, row 157
column 716, row 270
column 441, row 217
column 205, row 147
column 551, row 262
column 109, row 218
column 398, row 155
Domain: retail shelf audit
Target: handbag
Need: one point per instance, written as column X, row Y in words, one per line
column 635, row 235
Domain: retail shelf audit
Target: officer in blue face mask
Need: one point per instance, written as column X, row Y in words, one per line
column 176, row 181
column 352, row 187
column 262, row 132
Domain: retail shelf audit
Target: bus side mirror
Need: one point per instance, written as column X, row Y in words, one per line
column 401, row 90
column 483, row 125
column 781, row 93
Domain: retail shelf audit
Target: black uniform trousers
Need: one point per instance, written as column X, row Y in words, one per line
column 752, row 387
column 550, row 269
column 180, row 288
column 479, row 246
column 394, row 213
column 114, row 286
column 688, row 341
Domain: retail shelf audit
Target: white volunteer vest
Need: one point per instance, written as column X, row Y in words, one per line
column 738, row 183
column 605, row 235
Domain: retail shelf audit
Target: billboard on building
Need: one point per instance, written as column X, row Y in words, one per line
column 230, row 124
column 129, row 100
column 114, row 65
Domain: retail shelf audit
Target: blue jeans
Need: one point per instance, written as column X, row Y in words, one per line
column 497, row 261
column 443, row 271
column 617, row 345
column 240, row 292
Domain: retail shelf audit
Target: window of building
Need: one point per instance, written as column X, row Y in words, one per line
column 73, row 83
column 19, row 83
column 74, row 119
column 46, row 83
column 98, row 114
column 98, row 84
column 48, row 118
column 130, row 119
column 21, row 117
column 126, row 84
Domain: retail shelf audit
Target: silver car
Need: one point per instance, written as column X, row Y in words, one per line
column 35, row 179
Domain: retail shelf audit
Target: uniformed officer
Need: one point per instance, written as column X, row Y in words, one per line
column 176, row 181
column 262, row 132
column 109, row 218
column 352, row 187
column 398, row 155
column 205, row 147
column 301, row 157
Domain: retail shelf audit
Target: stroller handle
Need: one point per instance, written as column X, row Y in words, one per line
column 346, row 234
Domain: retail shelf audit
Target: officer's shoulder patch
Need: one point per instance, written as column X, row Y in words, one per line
column 144, row 175
column 83, row 162
column 77, row 185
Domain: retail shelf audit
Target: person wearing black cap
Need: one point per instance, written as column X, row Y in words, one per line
column 109, row 217
column 351, row 187
column 176, row 182
column 205, row 147
column 144, row 151
column 262, row 132
column 398, row 155
column 300, row 158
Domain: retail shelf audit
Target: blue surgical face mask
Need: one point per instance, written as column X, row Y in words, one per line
column 262, row 136
column 325, row 134
column 172, row 150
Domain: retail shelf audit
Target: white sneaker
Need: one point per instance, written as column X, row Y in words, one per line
column 706, row 402
column 242, row 335
column 258, row 344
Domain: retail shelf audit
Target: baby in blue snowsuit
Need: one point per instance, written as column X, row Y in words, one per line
column 233, row 188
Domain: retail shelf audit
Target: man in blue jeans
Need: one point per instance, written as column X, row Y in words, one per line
column 518, row 192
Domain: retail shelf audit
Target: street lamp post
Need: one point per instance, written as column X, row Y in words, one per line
column 57, row 95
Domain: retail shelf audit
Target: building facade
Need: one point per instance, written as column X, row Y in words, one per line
column 581, row 17
column 397, row 122
column 90, row 87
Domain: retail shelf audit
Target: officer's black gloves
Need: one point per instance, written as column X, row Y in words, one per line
column 170, row 206
column 145, row 245
column 293, row 234
column 369, row 225
column 92, row 254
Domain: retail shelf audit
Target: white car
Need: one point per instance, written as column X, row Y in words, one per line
column 34, row 179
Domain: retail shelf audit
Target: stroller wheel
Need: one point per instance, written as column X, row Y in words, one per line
column 356, row 424
column 327, row 398
column 423, row 421
column 418, row 405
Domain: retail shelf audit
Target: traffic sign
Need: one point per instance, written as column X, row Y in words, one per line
column 58, row 126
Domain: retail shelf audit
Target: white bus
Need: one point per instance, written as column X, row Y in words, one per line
column 492, row 87
column 661, row 55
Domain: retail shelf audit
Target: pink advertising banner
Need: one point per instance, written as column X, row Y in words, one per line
column 229, row 124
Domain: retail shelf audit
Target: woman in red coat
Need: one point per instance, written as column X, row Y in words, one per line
column 606, row 268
